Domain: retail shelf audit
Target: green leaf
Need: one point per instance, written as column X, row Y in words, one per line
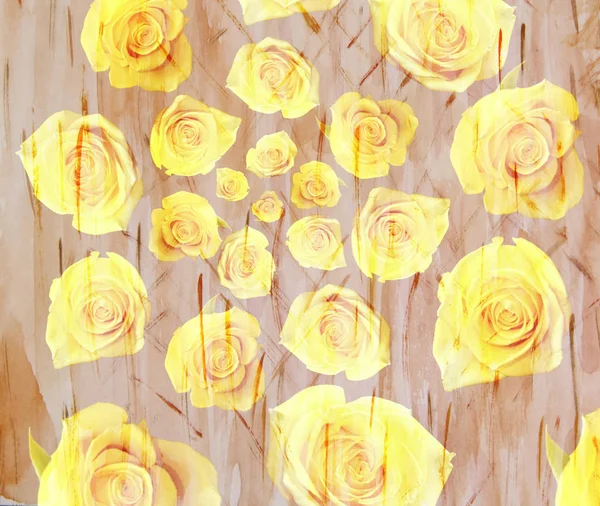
column 557, row 458
column 39, row 458
column 511, row 80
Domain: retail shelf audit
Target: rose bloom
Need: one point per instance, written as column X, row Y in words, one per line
column 324, row 450
column 215, row 356
column 104, row 460
column 82, row 165
column 366, row 136
column 140, row 42
column 232, row 185
column 517, row 146
column 186, row 226
column 268, row 208
column 246, row 267
column 316, row 242
column 274, row 155
column 315, row 185
column 445, row 45
column 260, row 10
column 395, row 235
column 273, row 76
column 335, row 330
column 99, row 308
column 504, row 312
column 188, row 137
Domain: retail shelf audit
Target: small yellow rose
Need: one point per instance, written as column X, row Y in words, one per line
column 517, row 146
column 324, row 450
column 334, row 330
column 246, row 267
column 82, row 165
column 232, row 185
column 260, row 10
column 274, row 155
column 504, row 312
column 268, row 208
column 316, row 242
column 140, row 42
column 186, row 226
column 316, row 184
column 446, row 45
column 367, row 137
column 99, row 308
column 395, row 235
column 215, row 356
column 188, row 137
column 104, row 460
column 273, row 76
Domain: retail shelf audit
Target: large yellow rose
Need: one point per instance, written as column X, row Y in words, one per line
column 273, row 76
column 274, row 155
column 215, row 356
column 326, row 451
column 186, row 226
column 367, row 137
column 246, row 267
column 99, row 308
column 316, row 184
column 104, row 460
column 82, row 165
column 260, row 10
column 446, row 45
column 334, row 330
column 517, row 146
column 232, row 185
column 316, row 242
column 268, row 208
column 141, row 42
column 504, row 312
column 188, row 137
column 395, row 235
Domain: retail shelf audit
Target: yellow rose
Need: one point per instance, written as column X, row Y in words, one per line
column 82, row 165
column 517, row 146
column 315, row 185
column 232, row 185
column 273, row 156
column 215, row 356
column 334, row 330
column 395, row 235
column 260, row 10
column 186, row 226
column 316, row 242
column 104, row 460
column 273, row 76
column 446, row 45
column 245, row 265
column 268, row 208
column 141, row 42
column 188, row 137
column 324, row 450
column 99, row 308
column 367, row 137
column 504, row 312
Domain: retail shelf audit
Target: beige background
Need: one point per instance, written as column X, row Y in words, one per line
column 495, row 430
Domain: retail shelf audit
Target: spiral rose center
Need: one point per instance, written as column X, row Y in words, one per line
column 146, row 34
column 224, row 359
column 121, row 485
column 370, row 130
column 184, row 232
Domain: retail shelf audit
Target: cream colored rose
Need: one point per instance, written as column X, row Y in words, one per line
column 446, row 45
column 334, row 330
column 315, row 185
column 232, row 185
column 366, row 136
column 99, row 308
column 315, row 241
column 268, row 208
column 189, row 138
column 215, row 356
column 186, row 226
column 260, row 10
column 371, row 451
column 273, row 156
column 104, row 460
column 246, row 267
column 273, row 76
column 395, row 235
column 82, row 165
